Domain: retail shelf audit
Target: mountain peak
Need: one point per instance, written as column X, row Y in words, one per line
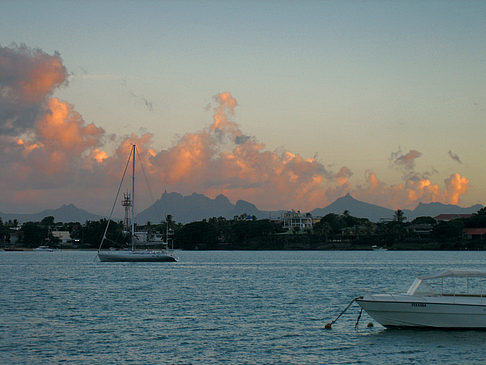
column 356, row 208
column 221, row 198
column 348, row 198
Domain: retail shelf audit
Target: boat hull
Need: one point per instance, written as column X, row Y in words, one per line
column 43, row 249
column 430, row 312
column 135, row 256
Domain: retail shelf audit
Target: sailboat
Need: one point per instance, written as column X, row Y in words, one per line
column 137, row 238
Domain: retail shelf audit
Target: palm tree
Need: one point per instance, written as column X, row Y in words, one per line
column 398, row 220
column 169, row 221
column 399, row 216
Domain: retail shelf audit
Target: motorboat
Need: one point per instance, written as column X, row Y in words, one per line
column 43, row 248
column 447, row 299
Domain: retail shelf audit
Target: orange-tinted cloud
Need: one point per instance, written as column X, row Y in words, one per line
column 30, row 74
column 27, row 78
column 457, row 185
column 207, row 162
column 408, row 194
column 221, row 159
column 44, row 142
column 99, row 155
column 62, row 128
column 48, row 148
column 27, row 147
column 222, row 114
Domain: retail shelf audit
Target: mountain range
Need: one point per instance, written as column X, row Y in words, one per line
column 196, row 207
column 65, row 213
column 376, row 213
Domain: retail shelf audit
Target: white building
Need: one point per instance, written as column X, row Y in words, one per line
column 295, row 219
column 64, row 236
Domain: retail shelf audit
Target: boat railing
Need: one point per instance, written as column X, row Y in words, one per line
column 454, row 290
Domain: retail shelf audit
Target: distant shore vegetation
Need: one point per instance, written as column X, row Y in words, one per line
column 331, row 232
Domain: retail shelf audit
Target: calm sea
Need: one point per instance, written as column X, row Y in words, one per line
column 218, row 307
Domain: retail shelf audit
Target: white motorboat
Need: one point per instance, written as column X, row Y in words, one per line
column 448, row 299
column 137, row 238
column 43, row 248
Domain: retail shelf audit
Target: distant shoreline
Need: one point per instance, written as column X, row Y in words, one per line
column 433, row 246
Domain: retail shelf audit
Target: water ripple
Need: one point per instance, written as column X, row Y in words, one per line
column 217, row 307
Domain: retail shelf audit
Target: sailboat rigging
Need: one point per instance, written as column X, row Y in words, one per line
column 137, row 238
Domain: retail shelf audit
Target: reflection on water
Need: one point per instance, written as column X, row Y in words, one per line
column 218, row 307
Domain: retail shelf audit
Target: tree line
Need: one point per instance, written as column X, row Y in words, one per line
column 333, row 231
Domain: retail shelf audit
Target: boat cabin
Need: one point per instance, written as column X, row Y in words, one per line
column 450, row 283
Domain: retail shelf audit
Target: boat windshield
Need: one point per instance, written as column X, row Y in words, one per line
column 420, row 287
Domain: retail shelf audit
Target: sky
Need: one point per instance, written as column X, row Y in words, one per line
column 285, row 104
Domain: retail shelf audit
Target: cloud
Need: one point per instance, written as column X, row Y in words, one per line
column 221, row 159
column 241, row 139
column 62, row 128
column 454, row 157
column 45, row 144
column 147, row 102
column 457, row 185
column 409, row 193
column 50, row 155
column 27, row 78
column 405, row 161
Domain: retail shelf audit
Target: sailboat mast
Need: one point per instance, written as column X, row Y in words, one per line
column 133, row 199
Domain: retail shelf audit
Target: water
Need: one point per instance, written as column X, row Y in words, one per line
column 218, row 307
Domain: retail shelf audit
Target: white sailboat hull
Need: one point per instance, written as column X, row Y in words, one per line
column 465, row 312
column 140, row 238
column 135, row 256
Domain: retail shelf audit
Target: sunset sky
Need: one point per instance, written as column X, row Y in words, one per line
column 285, row 104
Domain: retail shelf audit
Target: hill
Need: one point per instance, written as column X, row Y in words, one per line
column 65, row 213
column 434, row 209
column 356, row 208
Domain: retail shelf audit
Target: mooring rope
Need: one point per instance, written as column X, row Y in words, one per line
column 329, row 325
column 357, row 319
